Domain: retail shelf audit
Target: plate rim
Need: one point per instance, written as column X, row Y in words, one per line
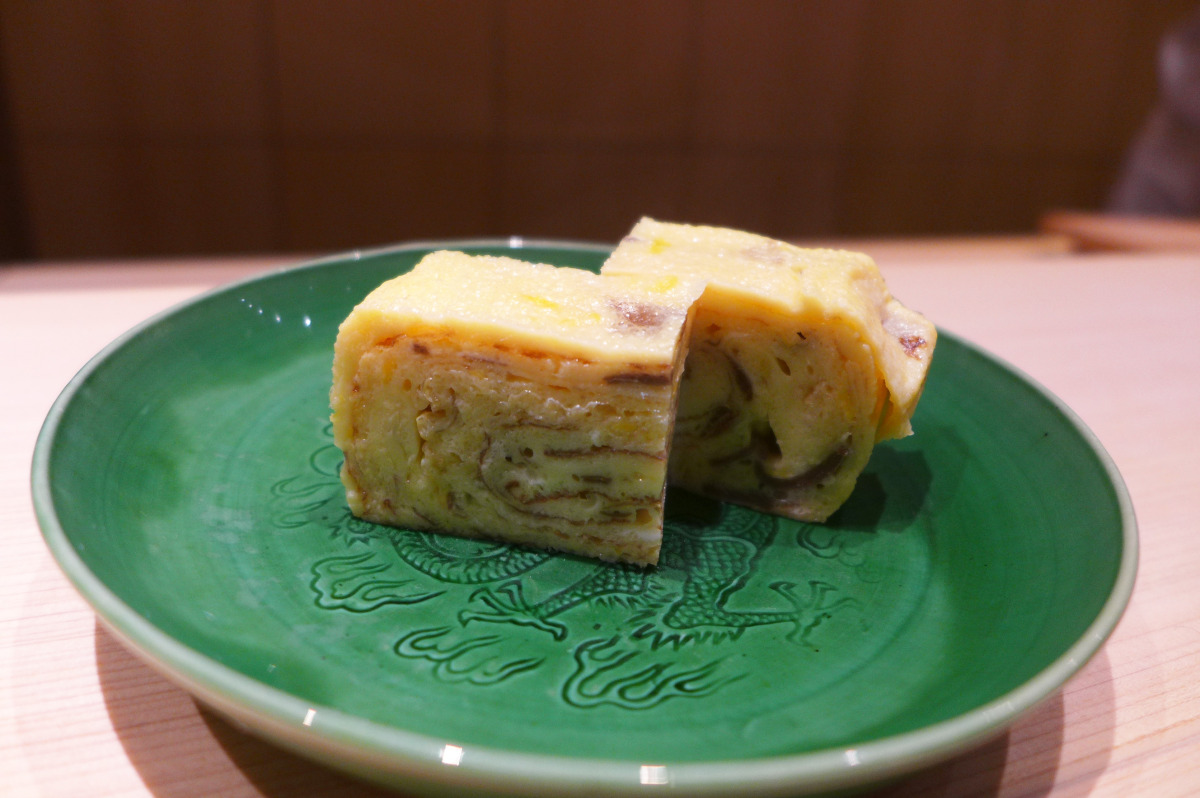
column 379, row 751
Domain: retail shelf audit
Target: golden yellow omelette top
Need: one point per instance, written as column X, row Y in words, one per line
column 748, row 274
column 559, row 310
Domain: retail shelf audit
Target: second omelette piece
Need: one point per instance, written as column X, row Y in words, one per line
column 800, row 361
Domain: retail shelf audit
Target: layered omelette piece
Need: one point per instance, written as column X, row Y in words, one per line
column 488, row 397
column 800, row 361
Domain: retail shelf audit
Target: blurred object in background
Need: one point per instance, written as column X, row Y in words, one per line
column 1161, row 175
column 145, row 128
column 1117, row 232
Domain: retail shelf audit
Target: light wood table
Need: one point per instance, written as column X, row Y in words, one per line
column 1116, row 336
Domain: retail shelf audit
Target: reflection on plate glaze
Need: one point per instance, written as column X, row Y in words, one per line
column 652, row 634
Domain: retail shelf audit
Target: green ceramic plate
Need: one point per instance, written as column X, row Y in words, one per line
column 187, row 484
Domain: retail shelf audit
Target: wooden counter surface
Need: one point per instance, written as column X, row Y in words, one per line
column 1116, row 336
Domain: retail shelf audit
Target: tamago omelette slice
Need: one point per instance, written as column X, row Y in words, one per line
column 800, row 360
column 489, row 397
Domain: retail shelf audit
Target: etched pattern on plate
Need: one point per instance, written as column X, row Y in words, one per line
column 642, row 618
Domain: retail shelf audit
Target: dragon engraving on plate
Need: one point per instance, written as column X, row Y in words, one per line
column 622, row 636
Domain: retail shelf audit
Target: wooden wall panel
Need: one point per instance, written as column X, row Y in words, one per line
column 594, row 193
column 140, row 127
column 383, row 71
column 15, row 238
column 765, row 190
column 150, row 128
column 581, row 72
column 779, row 74
column 147, row 198
column 364, row 194
column 135, row 69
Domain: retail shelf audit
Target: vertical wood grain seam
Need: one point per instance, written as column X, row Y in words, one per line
column 273, row 138
column 16, row 243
